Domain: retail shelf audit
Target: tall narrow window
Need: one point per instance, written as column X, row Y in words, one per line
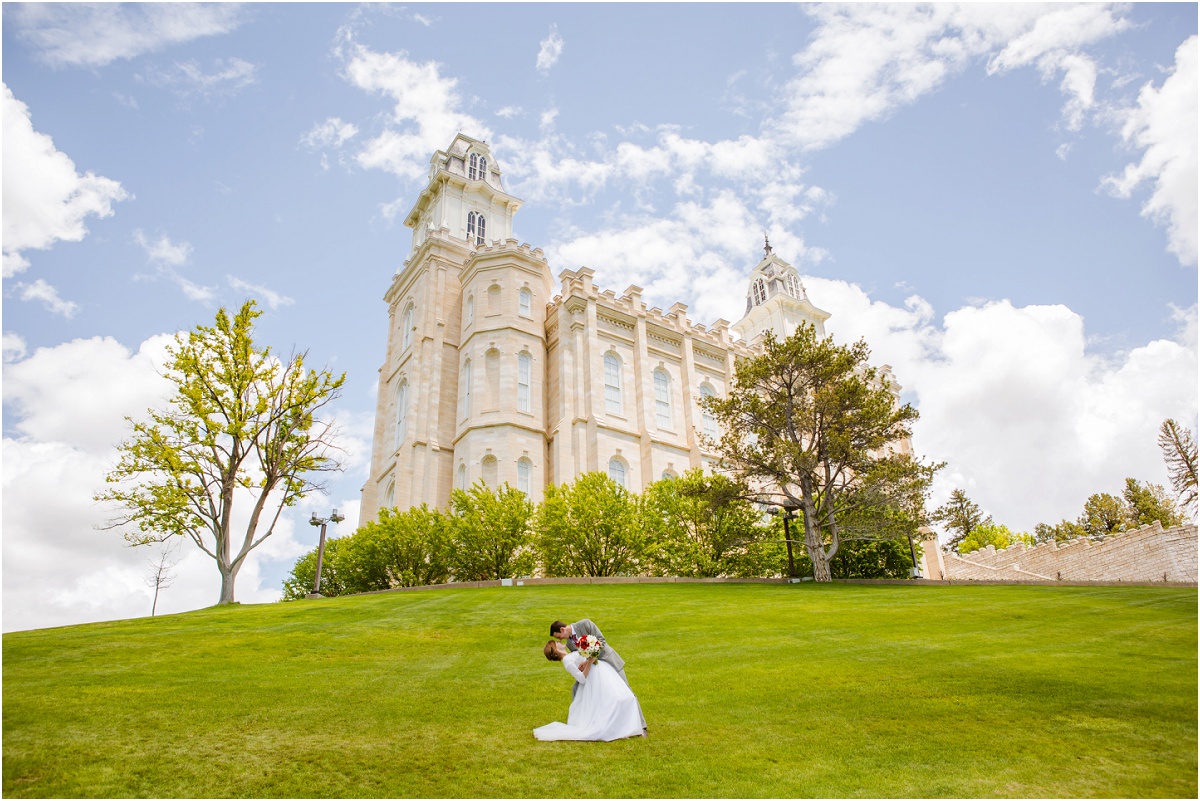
column 616, row 471
column 466, row 388
column 476, row 228
column 462, row 476
column 612, row 384
column 470, row 309
column 526, row 303
column 662, row 398
column 482, row 235
column 706, row 416
column 760, row 291
column 407, row 323
column 471, row 226
column 489, row 470
column 401, row 411
column 389, row 497
column 524, row 370
column 473, row 167
column 494, row 299
column 524, row 474
column 793, row 285
column 482, row 171
column 491, row 369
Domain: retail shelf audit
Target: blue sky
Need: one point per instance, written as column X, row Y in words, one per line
column 1001, row 199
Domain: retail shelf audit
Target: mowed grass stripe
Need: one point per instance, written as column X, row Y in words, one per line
column 749, row 690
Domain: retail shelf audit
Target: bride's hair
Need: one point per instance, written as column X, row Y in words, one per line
column 551, row 651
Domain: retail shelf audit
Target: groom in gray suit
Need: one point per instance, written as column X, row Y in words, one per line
column 570, row 634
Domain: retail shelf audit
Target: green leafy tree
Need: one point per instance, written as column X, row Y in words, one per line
column 1103, row 514
column 1147, row 503
column 400, row 549
column 240, row 426
column 960, row 515
column 592, row 527
column 992, row 534
column 1179, row 450
column 1065, row 530
column 701, row 526
column 490, row 534
column 807, row 422
column 300, row 581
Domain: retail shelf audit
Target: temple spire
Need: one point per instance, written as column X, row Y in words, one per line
column 766, row 246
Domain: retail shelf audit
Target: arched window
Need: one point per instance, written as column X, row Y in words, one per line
column 407, row 324
column 524, row 372
column 706, row 416
column 526, row 302
column 489, row 470
column 612, row 384
column 470, row 309
column 477, row 167
column 616, row 471
column 401, row 411
column 462, row 476
column 389, row 497
column 760, row 291
column 662, row 398
column 494, row 299
column 466, row 388
column 476, row 228
column 793, row 285
column 524, row 475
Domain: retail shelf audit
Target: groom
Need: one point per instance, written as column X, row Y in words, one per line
column 570, row 636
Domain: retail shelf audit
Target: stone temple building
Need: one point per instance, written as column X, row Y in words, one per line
column 494, row 372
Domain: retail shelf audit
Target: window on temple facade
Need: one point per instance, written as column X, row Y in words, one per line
column 524, row 474
column 466, row 388
column 793, row 285
column 760, row 292
column 389, row 497
column 489, row 470
column 476, row 228
column 662, row 398
column 616, row 471
column 612, row 384
column 462, row 477
column 470, row 309
column 477, row 167
column 407, row 324
column 401, row 411
column 491, row 369
column 524, row 371
column 706, row 417
column 494, row 299
column 526, row 303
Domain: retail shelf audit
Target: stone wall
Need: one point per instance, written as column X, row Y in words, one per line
column 1150, row 553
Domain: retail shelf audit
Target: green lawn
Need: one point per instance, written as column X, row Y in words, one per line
column 749, row 690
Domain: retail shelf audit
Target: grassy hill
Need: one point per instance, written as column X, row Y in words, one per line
column 749, row 690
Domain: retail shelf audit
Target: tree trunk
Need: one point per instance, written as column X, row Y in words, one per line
column 228, row 574
column 819, row 558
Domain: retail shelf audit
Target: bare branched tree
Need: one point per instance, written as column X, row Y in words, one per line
column 1179, row 449
column 161, row 575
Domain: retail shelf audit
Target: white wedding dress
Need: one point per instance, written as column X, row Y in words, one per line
column 604, row 708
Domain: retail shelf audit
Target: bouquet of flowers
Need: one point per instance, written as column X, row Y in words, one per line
column 590, row 646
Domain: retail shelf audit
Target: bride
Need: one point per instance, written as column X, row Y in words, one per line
column 604, row 708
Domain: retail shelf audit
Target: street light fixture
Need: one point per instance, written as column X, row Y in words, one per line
column 321, row 521
column 789, row 513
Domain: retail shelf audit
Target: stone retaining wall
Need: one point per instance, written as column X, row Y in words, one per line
column 1147, row 554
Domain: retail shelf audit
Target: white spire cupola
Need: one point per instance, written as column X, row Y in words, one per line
column 776, row 300
column 464, row 199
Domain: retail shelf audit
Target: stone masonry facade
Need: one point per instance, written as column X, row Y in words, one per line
column 1150, row 553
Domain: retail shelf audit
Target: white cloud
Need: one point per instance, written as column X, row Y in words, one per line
column 549, row 50
column 69, row 403
column 45, row 200
column 14, row 347
column 48, row 295
column 272, row 298
column 1029, row 421
column 426, row 116
column 95, row 34
column 163, row 251
column 188, row 78
column 1163, row 125
column 508, row 112
column 331, row 133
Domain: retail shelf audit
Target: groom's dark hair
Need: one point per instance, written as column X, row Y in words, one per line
column 556, row 627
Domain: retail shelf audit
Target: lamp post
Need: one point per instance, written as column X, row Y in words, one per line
column 914, row 571
column 321, row 521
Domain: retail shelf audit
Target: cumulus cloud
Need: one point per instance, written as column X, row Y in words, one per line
column 426, row 115
column 1163, row 125
column 330, row 133
column 167, row 257
column 65, row 408
column 95, row 34
column 45, row 200
column 549, row 50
